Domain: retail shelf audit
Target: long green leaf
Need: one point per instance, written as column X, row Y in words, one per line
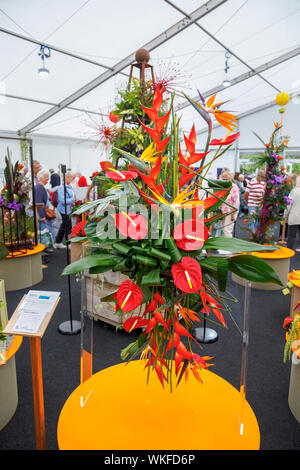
column 252, row 268
column 105, row 259
column 143, row 167
column 235, row 245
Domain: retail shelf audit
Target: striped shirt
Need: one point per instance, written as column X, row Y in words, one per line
column 256, row 192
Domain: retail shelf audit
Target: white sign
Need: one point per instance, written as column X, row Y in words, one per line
column 34, row 308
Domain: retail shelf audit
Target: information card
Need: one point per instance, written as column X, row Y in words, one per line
column 33, row 310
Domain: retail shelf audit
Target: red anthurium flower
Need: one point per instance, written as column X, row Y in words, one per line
column 225, row 141
column 134, row 226
column 187, row 275
column 106, row 166
column 134, row 322
column 121, row 175
column 129, row 296
column 190, row 235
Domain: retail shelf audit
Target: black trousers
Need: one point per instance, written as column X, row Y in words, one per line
column 292, row 234
column 65, row 224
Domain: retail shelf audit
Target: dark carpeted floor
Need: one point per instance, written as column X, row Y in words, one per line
column 268, row 376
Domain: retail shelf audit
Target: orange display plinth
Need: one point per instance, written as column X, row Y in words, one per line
column 116, row 409
column 23, row 269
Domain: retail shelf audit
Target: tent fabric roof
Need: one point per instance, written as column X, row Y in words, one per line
column 256, row 31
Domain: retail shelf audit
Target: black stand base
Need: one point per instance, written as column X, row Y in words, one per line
column 205, row 335
column 68, row 328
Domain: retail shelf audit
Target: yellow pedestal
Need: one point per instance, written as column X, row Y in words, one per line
column 294, row 278
column 23, row 269
column 279, row 260
column 8, row 383
column 116, row 409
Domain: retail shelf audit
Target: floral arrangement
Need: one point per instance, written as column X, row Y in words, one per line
column 154, row 228
column 14, row 195
column 292, row 327
column 276, row 198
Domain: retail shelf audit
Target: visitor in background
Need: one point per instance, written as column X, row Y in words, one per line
column 54, row 179
column 293, row 215
column 36, row 168
column 234, row 200
column 224, row 170
column 254, row 194
column 239, row 181
column 66, row 224
column 81, row 189
column 42, row 197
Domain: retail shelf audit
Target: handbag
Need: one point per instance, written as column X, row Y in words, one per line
column 50, row 213
column 45, row 238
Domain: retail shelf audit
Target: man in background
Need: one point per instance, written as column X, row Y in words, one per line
column 54, row 178
column 36, row 168
column 254, row 194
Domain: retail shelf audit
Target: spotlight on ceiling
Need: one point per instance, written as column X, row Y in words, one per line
column 226, row 82
column 43, row 72
column 45, row 53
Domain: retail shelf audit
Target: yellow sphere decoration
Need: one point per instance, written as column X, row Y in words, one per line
column 282, row 98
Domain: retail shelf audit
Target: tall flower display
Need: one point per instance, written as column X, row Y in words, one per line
column 155, row 228
column 275, row 199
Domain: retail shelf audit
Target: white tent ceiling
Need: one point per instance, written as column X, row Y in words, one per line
column 256, row 31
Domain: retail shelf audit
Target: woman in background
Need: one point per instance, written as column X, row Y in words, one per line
column 42, row 197
column 234, row 200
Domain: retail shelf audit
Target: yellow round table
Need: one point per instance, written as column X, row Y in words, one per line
column 116, row 409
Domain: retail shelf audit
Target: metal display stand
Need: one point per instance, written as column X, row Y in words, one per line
column 69, row 327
